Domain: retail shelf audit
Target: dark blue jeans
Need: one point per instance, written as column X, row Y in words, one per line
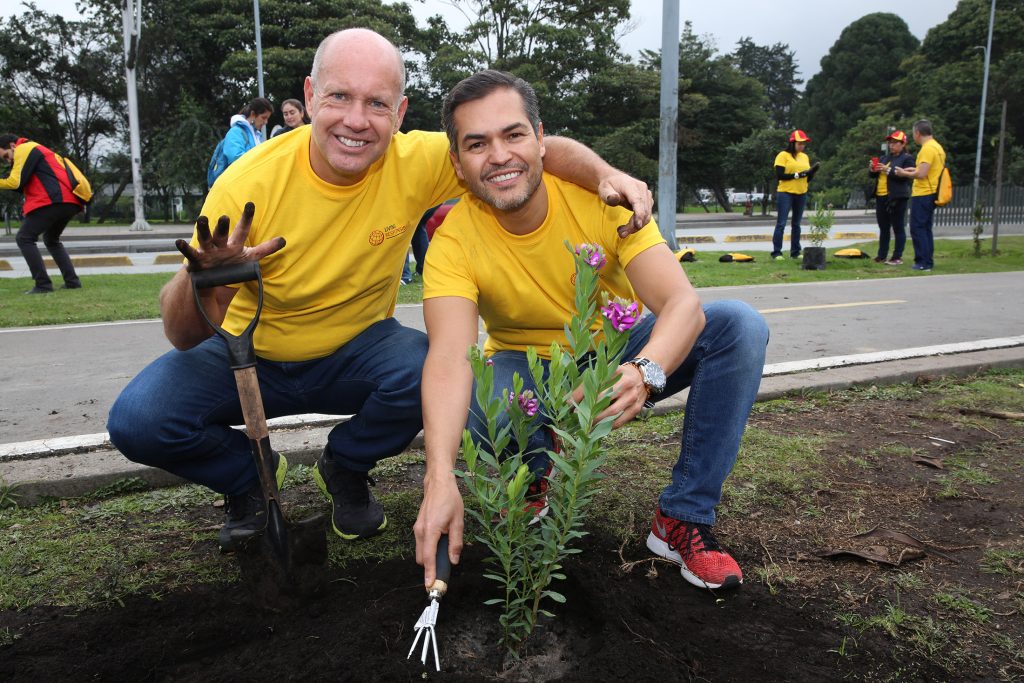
column 723, row 372
column 891, row 214
column 786, row 202
column 922, row 214
column 177, row 413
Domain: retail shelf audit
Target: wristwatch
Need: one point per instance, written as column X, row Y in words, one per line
column 652, row 374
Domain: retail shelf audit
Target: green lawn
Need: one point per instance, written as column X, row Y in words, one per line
column 131, row 297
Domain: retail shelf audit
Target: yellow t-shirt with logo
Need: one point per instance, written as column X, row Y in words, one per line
column 882, row 188
column 524, row 285
column 801, row 162
column 931, row 153
column 339, row 271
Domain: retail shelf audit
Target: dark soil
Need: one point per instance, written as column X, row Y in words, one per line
column 794, row 619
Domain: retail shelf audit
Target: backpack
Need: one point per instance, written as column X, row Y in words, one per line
column 218, row 162
column 80, row 186
column 945, row 193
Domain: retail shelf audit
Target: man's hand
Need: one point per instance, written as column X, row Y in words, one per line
column 441, row 512
column 219, row 249
column 625, row 190
column 629, row 395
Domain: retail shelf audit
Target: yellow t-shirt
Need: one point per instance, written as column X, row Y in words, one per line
column 801, row 162
column 931, row 153
column 339, row 271
column 524, row 285
column 882, row 188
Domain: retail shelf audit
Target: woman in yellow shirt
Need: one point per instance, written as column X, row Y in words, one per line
column 793, row 169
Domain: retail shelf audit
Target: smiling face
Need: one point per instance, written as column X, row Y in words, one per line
column 497, row 153
column 292, row 116
column 356, row 105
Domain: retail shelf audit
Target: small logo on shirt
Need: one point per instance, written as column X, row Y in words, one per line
column 377, row 237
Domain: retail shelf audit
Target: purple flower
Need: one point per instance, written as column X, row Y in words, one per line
column 526, row 400
column 593, row 255
column 621, row 317
column 488, row 362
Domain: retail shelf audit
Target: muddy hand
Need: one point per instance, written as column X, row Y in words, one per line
column 219, row 248
column 625, row 190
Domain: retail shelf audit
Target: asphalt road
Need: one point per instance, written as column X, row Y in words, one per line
column 61, row 380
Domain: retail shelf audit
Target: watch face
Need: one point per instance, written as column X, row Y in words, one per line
column 654, row 376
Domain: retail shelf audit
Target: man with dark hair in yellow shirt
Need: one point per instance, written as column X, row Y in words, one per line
column 337, row 204
column 500, row 255
column 931, row 159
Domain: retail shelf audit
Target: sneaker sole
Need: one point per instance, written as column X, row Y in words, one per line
column 660, row 548
column 322, row 485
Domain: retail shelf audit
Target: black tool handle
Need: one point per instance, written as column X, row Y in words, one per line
column 442, row 567
column 226, row 275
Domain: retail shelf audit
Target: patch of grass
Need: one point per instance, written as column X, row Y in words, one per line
column 964, row 607
column 922, row 636
column 951, row 256
column 1004, row 561
column 997, row 392
column 772, row 469
column 397, row 541
column 906, row 582
column 396, row 466
column 8, row 494
column 101, row 298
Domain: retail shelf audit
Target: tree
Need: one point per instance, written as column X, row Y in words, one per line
column 750, row 163
column 775, row 69
column 862, row 66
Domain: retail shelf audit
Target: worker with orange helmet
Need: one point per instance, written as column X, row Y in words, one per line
column 793, row 169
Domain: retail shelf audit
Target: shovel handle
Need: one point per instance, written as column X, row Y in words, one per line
column 240, row 348
column 443, row 568
column 226, row 275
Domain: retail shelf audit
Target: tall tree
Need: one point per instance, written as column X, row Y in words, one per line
column 774, row 67
column 862, row 66
column 750, row 163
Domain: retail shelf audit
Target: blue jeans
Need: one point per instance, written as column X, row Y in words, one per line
column 922, row 213
column 723, row 371
column 786, row 202
column 891, row 214
column 177, row 413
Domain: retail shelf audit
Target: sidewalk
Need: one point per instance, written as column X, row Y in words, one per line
column 77, row 465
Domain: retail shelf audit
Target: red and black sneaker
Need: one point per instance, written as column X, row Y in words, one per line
column 694, row 548
column 537, row 496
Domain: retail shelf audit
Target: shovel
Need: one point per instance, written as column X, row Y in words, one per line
column 289, row 545
column 428, row 620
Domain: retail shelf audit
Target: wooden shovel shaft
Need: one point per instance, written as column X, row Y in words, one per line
column 256, row 426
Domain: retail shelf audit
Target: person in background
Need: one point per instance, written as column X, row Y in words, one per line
column 44, row 181
column 792, row 169
column 246, row 129
column 892, row 192
column 431, row 220
column 500, row 255
column 931, row 159
column 294, row 115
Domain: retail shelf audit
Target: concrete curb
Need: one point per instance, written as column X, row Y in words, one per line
column 83, row 467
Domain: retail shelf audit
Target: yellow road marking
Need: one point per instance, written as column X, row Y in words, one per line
column 848, row 305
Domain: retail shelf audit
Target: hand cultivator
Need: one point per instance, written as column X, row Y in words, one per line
column 428, row 620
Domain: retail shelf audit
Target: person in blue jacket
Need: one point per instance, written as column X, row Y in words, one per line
column 244, row 134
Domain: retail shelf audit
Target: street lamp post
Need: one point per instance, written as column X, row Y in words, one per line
column 131, row 20
column 669, row 120
column 259, row 54
column 984, row 97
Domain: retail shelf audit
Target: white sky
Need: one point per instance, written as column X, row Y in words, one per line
column 810, row 28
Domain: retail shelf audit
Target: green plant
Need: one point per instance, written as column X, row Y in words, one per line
column 528, row 556
column 822, row 219
column 8, row 498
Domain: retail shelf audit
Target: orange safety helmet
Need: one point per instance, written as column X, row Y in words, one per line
column 897, row 136
column 798, row 136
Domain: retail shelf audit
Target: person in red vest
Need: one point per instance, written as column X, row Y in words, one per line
column 38, row 174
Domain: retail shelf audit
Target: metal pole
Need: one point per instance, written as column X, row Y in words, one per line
column 669, row 120
column 259, row 55
column 131, row 21
column 984, row 96
column 997, row 203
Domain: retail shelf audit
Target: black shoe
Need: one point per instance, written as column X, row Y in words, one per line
column 39, row 290
column 356, row 514
column 245, row 514
column 67, row 286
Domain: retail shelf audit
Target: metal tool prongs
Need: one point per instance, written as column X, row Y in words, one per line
column 428, row 620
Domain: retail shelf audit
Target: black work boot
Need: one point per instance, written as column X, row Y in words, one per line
column 356, row 513
column 245, row 514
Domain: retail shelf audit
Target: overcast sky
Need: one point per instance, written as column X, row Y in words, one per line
column 810, row 28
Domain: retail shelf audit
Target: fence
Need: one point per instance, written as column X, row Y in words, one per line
column 960, row 212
